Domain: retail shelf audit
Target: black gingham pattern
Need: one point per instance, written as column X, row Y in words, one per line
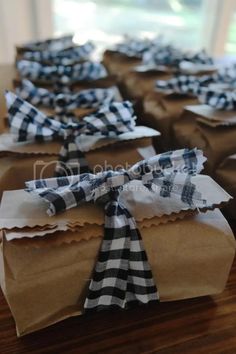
column 185, row 84
column 122, row 274
column 64, row 102
column 136, row 47
column 61, row 57
column 224, row 100
column 28, row 123
column 171, row 56
column 37, row 96
column 63, row 74
column 50, row 44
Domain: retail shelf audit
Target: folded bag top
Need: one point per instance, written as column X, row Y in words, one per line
column 122, row 274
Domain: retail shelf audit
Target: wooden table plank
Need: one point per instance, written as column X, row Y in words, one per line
column 202, row 325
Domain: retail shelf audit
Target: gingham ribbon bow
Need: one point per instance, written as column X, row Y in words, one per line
column 63, row 74
column 184, row 84
column 27, row 123
column 122, row 274
column 136, row 47
column 171, row 56
column 225, row 100
column 61, row 57
column 65, row 102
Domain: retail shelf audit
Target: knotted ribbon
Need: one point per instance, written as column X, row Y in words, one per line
column 122, row 275
column 63, row 74
column 62, row 56
column 65, row 102
column 171, row 56
column 214, row 90
column 29, row 124
column 136, row 47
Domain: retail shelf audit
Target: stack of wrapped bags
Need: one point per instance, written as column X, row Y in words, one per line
column 185, row 96
column 91, row 218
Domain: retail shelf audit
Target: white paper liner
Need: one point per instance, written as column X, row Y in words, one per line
column 30, row 211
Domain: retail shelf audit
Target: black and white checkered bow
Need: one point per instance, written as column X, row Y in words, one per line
column 51, row 44
column 122, row 274
column 29, row 124
column 136, row 47
column 65, row 102
column 184, row 84
column 66, row 56
column 213, row 90
column 63, row 74
column 171, row 56
column 225, row 100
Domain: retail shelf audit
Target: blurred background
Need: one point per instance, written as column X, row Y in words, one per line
column 190, row 24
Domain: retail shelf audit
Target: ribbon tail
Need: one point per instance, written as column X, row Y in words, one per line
column 122, row 274
column 141, row 287
column 71, row 160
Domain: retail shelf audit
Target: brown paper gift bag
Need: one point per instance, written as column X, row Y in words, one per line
column 161, row 111
column 34, row 160
column 208, row 129
column 117, row 63
column 139, row 81
column 46, row 262
column 226, row 175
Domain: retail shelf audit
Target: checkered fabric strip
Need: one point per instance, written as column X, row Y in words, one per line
column 122, row 274
column 224, row 100
column 64, row 102
column 37, row 96
column 64, row 74
column 29, row 124
column 51, row 44
column 61, row 57
column 135, row 47
column 226, row 75
column 185, row 84
column 172, row 56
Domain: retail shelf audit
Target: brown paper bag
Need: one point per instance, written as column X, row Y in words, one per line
column 138, row 82
column 161, row 111
column 118, row 63
column 216, row 142
column 49, row 275
column 226, row 175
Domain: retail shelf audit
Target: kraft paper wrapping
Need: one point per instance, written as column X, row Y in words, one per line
column 117, row 63
column 138, row 82
column 226, row 175
column 161, row 111
column 216, row 142
column 33, row 161
column 7, row 73
column 51, row 282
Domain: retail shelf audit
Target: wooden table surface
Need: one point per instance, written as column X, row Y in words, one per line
column 203, row 325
